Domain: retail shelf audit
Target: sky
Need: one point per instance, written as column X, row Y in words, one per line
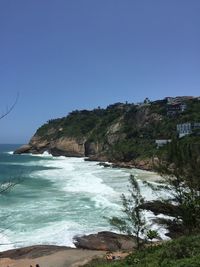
column 62, row 55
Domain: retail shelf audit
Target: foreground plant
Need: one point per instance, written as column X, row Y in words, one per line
column 180, row 167
column 133, row 223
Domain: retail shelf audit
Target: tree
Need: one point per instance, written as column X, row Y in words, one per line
column 9, row 109
column 151, row 234
column 133, row 223
column 180, row 166
column 7, row 185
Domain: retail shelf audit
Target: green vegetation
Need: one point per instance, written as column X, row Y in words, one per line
column 133, row 223
column 152, row 234
column 181, row 168
column 183, row 252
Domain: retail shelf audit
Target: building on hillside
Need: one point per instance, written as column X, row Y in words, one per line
column 187, row 128
column 178, row 99
column 162, row 142
column 175, row 109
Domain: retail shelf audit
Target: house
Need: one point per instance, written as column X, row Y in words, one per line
column 162, row 142
column 175, row 109
column 187, row 128
column 178, row 99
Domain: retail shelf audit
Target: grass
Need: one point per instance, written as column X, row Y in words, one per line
column 182, row 252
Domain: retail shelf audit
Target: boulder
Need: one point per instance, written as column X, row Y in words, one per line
column 105, row 165
column 106, row 241
column 158, row 207
column 23, row 149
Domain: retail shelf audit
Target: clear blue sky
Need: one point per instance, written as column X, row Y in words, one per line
column 75, row 54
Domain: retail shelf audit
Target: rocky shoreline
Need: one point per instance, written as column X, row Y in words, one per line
column 142, row 164
column 48, row 256
column 87, row 248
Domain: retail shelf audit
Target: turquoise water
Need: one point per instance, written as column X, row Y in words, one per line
column 57, row 198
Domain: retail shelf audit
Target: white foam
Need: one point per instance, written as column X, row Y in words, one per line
column 101, row 201
column 5, row 243
column 9, row 152
column 161, row 229
column 73, row 179
column 45, row 154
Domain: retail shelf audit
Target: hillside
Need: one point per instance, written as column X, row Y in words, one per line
column 182, row 252
column 119, row 133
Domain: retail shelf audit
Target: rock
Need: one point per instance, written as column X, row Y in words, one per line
column 23, row 149
column 32, row 251
column 175, row 228
column 99, row 158
column 145, row 164
column 105, row 165
column 66, row 146
column 126, row 165
column 92, row 148
column 106, row 241
column 158, row 207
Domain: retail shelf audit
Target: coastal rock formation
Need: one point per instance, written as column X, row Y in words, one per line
column 32, row 251
column 122, row 133
column 159, row 207
column 63, row 146
column 23, row 149
column 66, row 146
column 48, row 255
column 107, row 241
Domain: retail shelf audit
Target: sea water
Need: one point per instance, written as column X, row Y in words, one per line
column 58, row 197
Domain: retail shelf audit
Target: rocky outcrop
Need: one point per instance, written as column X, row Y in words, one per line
column 32, row 251
column 23, row 149
column 143, row 164
column 92, row 148
column 159, row 207
column 139, row 164
column 107, row 241
column 64, row 146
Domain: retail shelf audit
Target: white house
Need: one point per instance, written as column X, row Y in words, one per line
column 162, row 142
column 187, row 128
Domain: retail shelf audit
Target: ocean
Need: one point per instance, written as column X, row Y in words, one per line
column 58, row 197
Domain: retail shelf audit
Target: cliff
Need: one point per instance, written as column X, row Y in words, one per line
column 120, row 133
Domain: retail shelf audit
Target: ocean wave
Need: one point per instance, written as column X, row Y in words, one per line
column 9, row 152
column 5, row 243
column 70, row 198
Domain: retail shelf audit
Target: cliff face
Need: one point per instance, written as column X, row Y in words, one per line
column 119, row 133
column 63, row 146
